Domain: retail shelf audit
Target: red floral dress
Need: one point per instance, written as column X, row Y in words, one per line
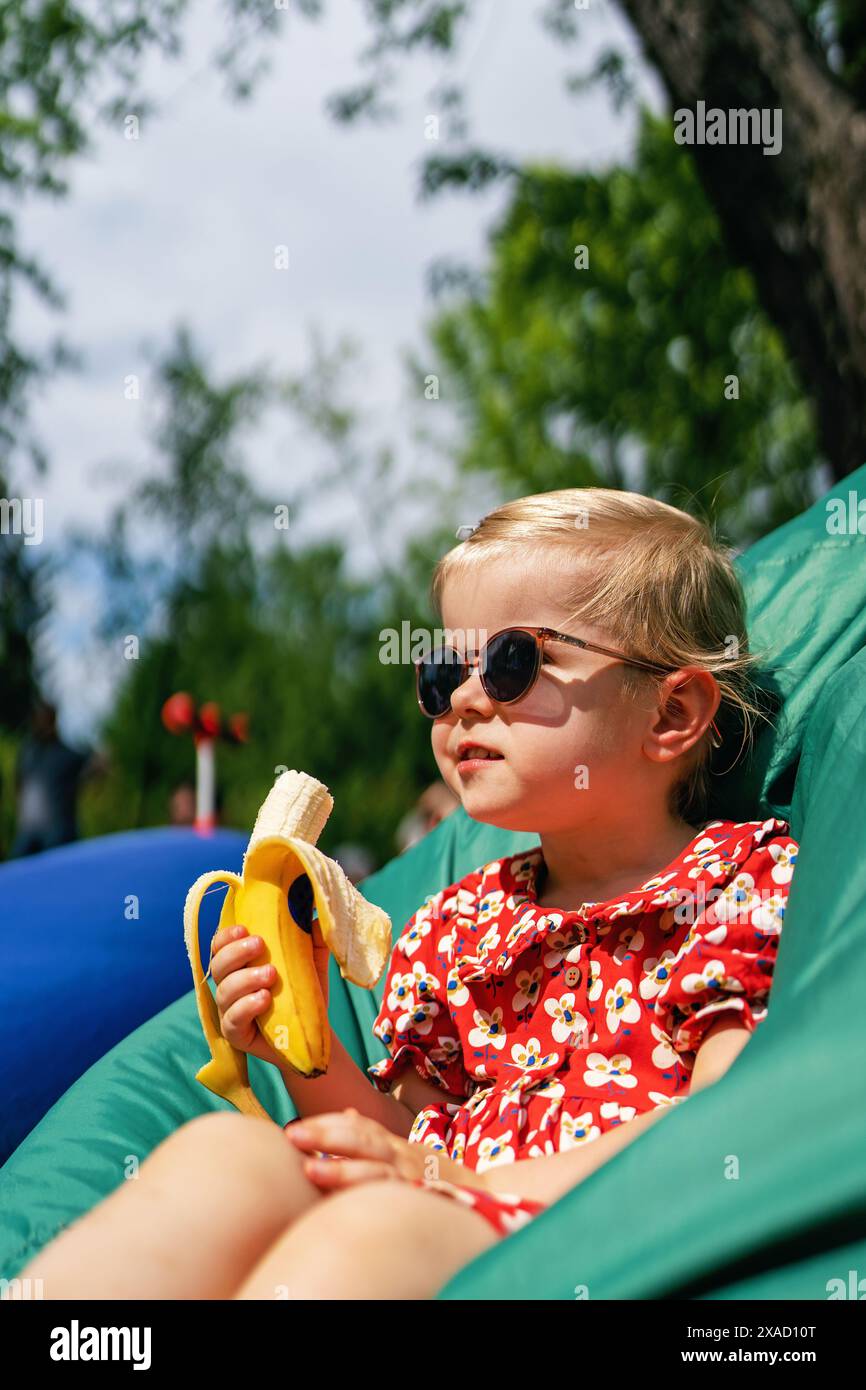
column 546, row 1028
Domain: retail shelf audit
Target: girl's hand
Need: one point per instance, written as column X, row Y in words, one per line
column 244, row 987
column 362, row 1150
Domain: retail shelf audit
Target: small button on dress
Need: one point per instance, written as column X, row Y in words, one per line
column 546, row 1028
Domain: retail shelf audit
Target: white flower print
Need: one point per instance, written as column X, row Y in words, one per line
column 612, row 1110
column 715, row 936
column 549, row 1088
column 702, row 849
column 620, row 909
column 663, row 1054
column 507, row 1102
column 668, row 921
column 411, row 940
column 768, row 918
column 550, row 919
column 548, row 1119
column 567, row 1023
column 465, row 902
column 544, row 967
column 400, row 995
column 659, row 1099
column 631, row 939
column 455, row 991
column 600, row 1070
column 784, row 858
column 420, row 1016
column 514, row 1220
column 711, row 977
column 458, row 1148
column 494, row 1152
column 449, row 1050
column 528, row 986
column 488, row 941
column 620, row 1006
column 524, row 869
column 528, row 1056
column 575, row 1130
column 716, row 865
column 561, row 946
column 657, row 973
column 446, row 943
column 421, row 1124
column 597, row 983
column 690, row 940
column 735, row 903
column 488, row 1030
column 517, row 930
column 478, row 1102
column 490, row 905
column 545, row 1150
column 474, row 1135
column 687, row 1033
column 426, row 983
column 657, row 882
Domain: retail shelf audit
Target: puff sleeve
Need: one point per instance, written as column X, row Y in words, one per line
column 725, row 964
column 414, row 1021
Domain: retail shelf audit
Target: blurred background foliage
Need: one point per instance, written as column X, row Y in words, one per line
column 228, row 606
column 551, row 375
column 613, row 372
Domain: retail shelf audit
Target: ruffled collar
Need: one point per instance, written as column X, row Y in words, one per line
column 713, row 855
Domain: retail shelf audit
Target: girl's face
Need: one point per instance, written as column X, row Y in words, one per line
column 572, row 748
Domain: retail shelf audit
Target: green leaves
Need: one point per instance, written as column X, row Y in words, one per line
column 653, row 367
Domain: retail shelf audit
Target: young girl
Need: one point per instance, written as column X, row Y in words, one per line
column 550, row 1005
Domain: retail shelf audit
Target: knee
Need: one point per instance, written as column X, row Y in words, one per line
column 365, row 1212
column 233, row 1142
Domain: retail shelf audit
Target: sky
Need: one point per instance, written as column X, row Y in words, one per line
column 180, row 225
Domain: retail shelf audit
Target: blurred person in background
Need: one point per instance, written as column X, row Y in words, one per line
column 48, row 775
column 181, row 804
column 355, row 860
column 435, row 803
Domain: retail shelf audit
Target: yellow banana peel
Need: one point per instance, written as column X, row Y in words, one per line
column 283, row 877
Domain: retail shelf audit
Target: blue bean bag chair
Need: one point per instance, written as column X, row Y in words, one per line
column 660, row 1218
column 91, row 950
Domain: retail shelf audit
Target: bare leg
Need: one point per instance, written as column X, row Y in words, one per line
column 206, row 1204
column 385, row 1240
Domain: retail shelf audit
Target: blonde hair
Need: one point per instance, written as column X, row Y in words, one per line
column 652, row 576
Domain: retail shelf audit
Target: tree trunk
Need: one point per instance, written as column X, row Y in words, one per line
column 797, row 219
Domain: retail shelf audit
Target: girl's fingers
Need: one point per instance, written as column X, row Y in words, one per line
column 225, row 935
column 330, row 1173
column 343, row 1132
column 233, row 955
column 237, row 1020
column 242, row 982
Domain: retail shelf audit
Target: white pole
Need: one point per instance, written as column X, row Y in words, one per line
column 205, row 785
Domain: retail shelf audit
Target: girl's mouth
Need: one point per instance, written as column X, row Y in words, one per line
column 473, row 760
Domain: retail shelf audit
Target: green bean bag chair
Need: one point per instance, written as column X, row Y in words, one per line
column 664, row 1217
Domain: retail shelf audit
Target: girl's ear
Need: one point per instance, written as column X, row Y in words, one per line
column 687, row 702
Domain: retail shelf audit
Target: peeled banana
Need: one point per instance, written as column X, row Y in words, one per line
column 283, row 877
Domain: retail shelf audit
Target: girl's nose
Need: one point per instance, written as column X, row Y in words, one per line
column 471, row 694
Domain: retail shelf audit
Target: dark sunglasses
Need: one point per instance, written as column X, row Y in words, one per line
column 508, row 667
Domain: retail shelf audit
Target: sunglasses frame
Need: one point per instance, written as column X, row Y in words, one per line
column 542, row 635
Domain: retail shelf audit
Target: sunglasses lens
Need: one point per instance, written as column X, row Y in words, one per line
column 507, row 670
column 510, row 665
column 439, row 675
